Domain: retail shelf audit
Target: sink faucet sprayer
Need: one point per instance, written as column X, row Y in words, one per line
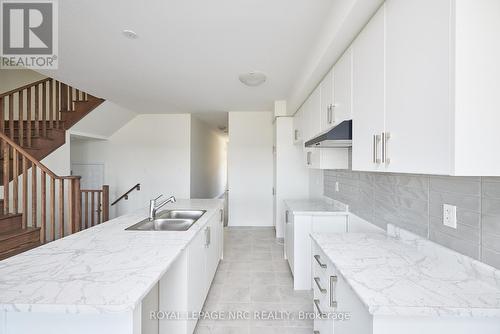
column 153, row 207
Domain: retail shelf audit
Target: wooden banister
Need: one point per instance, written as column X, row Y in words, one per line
column 125, row 196
column 21, row 162
column 33, row 121
column 36, row 83
column 95, row 206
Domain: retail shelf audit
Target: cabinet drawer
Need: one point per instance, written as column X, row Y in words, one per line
column 322, row 325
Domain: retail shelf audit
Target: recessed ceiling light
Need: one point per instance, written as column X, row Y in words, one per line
column 253, row 79
column 130, row 34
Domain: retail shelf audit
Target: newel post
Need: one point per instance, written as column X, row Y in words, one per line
column 105, row 203
column 75, row 205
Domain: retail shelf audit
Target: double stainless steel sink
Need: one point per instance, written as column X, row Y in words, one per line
column 169, row 220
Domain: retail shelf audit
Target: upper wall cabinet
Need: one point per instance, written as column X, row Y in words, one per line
column 419, row 107
column 326, row 109
column 342, row 83
column 298, row 126
column 369, row 95
column 313, row 114
column 440, row 113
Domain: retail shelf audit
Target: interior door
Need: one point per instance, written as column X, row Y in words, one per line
column 250, row 169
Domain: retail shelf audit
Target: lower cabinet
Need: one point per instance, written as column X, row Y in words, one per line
column 337, row 308
column 298, row 242
column 184, row 287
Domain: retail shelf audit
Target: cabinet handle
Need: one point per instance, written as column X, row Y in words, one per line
column 385, row 137
column 296, row 134
column 286, row 216
column 332, row 113
column 221, row 215
column 374, row 149
column 376, row 141
column 316, row 303
column 207, row 236
column 322, row 290
column 317, row 258
column 333, row 282
column 309, row 153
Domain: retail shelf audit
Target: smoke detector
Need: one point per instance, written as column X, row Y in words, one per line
column 253, row 79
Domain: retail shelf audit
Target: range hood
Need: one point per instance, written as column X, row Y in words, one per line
column 339, row 136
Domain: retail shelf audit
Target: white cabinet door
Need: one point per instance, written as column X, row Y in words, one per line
column 361, row 322
column 212, row 241
column 306, row 120
column 297, row 126
column 289, row 236
column 326, row 109
column 314, row 114
column 343, row 90
column 368, row 109
column 418, row 107
column 197, row 273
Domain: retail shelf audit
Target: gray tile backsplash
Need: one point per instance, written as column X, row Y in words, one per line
column 415, row 202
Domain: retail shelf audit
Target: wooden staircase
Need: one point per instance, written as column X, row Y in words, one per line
column 33, row 123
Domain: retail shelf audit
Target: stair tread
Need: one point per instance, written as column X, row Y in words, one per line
column 9, row 215
column 18, row 232
column 19, row 249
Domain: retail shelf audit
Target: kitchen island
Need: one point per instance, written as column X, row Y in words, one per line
column 108, row 280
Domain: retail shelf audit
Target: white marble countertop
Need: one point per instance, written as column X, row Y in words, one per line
column 313, row 207
column 402, row 274
column 99, row 270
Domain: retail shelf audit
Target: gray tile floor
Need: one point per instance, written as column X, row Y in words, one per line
column 254, row 277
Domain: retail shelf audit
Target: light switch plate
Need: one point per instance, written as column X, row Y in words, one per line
column 337, row 189
column 450, row 215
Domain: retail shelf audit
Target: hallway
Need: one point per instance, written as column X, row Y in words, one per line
column 254, row 279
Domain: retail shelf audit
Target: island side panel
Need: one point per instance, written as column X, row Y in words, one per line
column 64, row 323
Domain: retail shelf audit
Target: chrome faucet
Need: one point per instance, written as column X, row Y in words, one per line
column 154, row 207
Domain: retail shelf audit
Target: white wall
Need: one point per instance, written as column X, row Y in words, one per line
column 208, row 160
column 250, row 169
column 12, row 79
column 153, row 150
column 103, row 121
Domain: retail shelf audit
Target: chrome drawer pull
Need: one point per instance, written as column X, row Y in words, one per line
column 322, row 265
column 316, row 303
column 333, row 282
column 316, row 279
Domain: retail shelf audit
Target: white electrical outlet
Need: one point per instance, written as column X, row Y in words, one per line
column 450, row 215
column 337, row 188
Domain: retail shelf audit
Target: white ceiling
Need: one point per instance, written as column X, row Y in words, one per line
column 189, row 53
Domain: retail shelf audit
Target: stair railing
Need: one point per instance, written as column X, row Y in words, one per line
column 35, row 108
column 125, row 195
column 45, row 204
column 95, row 206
